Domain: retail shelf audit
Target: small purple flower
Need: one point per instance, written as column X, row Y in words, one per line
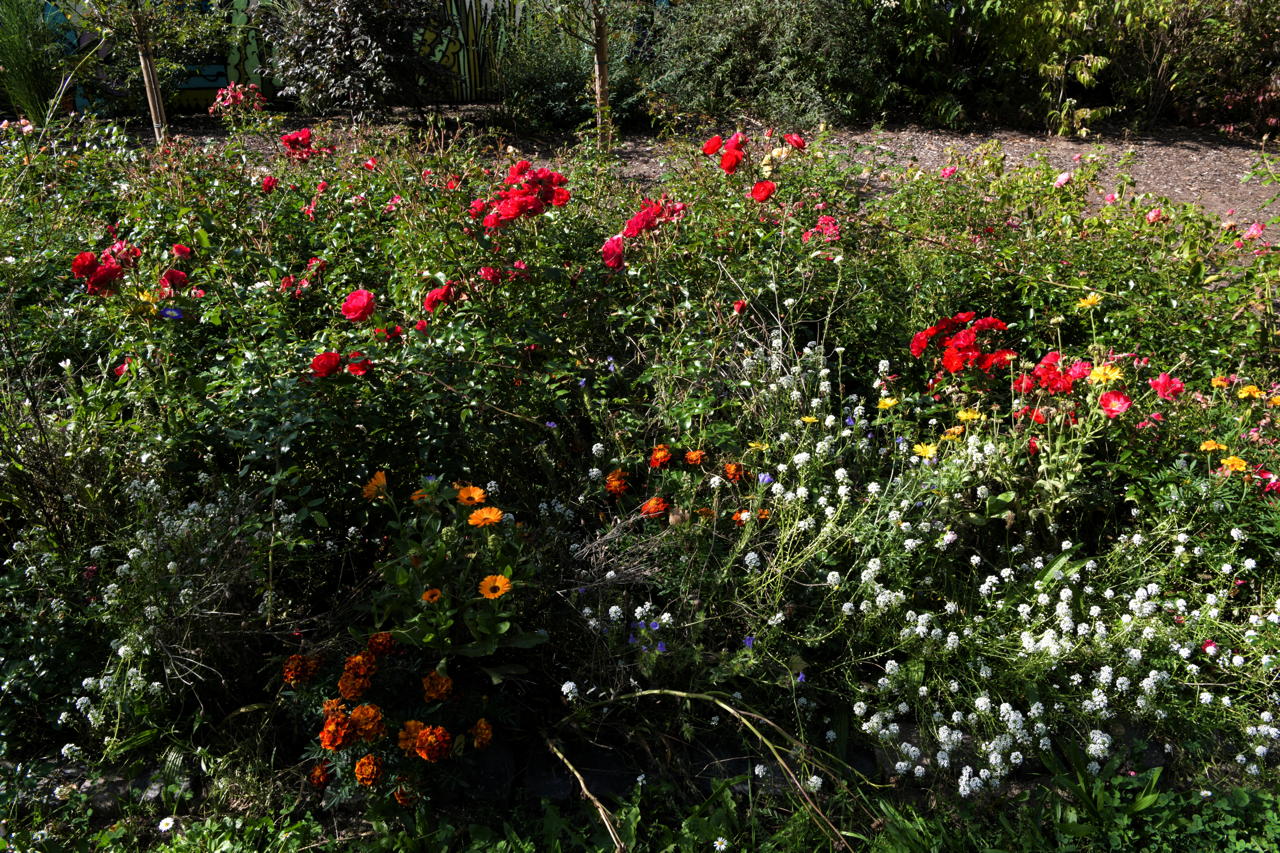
column 800, row 678
column 653, row 626
column 764, row 478
column 171, row 313
column 849, row 421
column 582, row 383
column 749, row 642
column 662, row 647
column 631, row 638
column 551, row 424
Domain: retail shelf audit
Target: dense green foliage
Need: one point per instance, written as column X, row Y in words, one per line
column 371, row 492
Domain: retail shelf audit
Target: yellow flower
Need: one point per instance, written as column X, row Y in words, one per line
column 1210, row 445
column 495, row 586
column 809, row 419
column 952, row 433
column 966, row 415
column 1250, row 392
column 925, row 451
column 376, row 487
column 485, row 516
column 1089, row 301
column 1105, row 373
column 757, row 445
column 1218, row 382
column 1234, row 463
column 471, row 495
column 1274, row 402
column 887, row 403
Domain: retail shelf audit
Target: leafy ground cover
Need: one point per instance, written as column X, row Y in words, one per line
column 378, row 494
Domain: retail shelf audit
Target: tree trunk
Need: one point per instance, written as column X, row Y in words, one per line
column 155, row 104
column 600, row 39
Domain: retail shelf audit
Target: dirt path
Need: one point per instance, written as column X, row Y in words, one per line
column 1184, row 165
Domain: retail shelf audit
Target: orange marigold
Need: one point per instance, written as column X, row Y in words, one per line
column 616, row 482
column 660, row 456
column 471, row 495
column 352, row 687
column 337, row 732
column 405, row 797
column 654, row 507
column 433, row 743
column 432, row 595
column 481, row 734
column 695, row 457
column 495, row 586
column 381, row 643
column 299, row 669
column 320, row 775
column 362, row 664
column 369, row 770
column 408, row 736
column 436, row 686
column 367, row 722
column 734, row 472
column 485, row 516
column 333, row 707
column 376, row 487
column 762, row 515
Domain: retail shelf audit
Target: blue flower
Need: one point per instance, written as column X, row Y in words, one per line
column 653, row 626
column 171, row 313
column 551, row 424
column 764, row 478
column 749, row 642
column 662, row 647
column 800, row 678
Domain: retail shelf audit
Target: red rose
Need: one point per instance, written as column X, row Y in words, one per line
column 712, row 146
column 762, row 190
column 269, row 183
column 1114, row 403
column 326, row 364
column 739, row 306
column 736, row 142
column 611, row 251
column 83, row 265
column 101, row 278
column 795, row 140
column 357, row 365
column 358, row 306
column 174, row 279
column 730, row 159
column 181, row 252
column 442, row 295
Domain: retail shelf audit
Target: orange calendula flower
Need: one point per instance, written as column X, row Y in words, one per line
column 485, row 516
column 408, row 736
column 369, row 770
column 734, row 472
column 320, row 775
column 660, row 456
column 481, row 734
column 471, row 495
column 1209, row 445
column 419, row 495
column 695, row 457
column 367, row 722
column 616, row 482
column 1218, row 382
column 436, row 686
column 1250, row 392
column 495, row 586
column 376, row 487
column 1234, row 463
column 432, row 595
column 654, row 507
column 381, row 643
column 433, row 743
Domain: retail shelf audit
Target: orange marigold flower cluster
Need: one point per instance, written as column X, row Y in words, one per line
column 734, row 472
column 369, row 770
column 337, row 731
column 433, row 743
column 299, row 669
column 381, row 643
column 695, row 457
column 405, row 797
column 481, row 733
column 616, row 482
column 367, row 722
column 408, row 737
column 660, row 456
column 436, row 687
column 357, row 675
column 320, row 775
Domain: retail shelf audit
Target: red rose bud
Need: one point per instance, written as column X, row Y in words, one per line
column 795, row 140
column 739, row 306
